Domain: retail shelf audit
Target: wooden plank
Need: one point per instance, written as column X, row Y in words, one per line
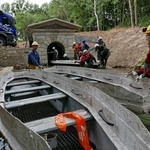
column 37, row 99
column 23, row 83
column 28, row 89
column 48, row 124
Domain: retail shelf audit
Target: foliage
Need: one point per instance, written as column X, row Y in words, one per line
column 111, row 13
column 141, row 63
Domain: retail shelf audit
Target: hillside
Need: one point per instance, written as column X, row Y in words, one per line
column 127, row 45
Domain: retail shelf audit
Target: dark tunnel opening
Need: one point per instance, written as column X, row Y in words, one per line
column 59, row 47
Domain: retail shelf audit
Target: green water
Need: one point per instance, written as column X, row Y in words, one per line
column 145, row 118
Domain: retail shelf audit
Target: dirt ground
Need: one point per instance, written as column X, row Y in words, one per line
column 128, row 46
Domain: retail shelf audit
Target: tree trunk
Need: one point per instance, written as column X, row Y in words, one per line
column 135, row 11
column 131, row 13
column 123, row 8
column 97, row 20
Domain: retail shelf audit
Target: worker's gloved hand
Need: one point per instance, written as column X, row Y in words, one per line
column 139, row 77
column 41, row 67
column 134, row 73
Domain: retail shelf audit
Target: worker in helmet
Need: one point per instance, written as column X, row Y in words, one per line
column 102, row 55
column 88, row 58
column 34, row 58
column 55, row 53
column 75, row 49
column 100, row 41
column 65, row 57
column 85, row 45
column 80, row 61
column 80, row 54
column 101, row 45
column 102, row 52
column 144, row 71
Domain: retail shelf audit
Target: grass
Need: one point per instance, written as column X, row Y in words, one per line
column 145, row 118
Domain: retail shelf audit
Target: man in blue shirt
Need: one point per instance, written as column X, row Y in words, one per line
column 85, row 45
column 34, row 58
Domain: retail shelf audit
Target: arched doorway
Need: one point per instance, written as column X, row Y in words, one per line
column 59, row 47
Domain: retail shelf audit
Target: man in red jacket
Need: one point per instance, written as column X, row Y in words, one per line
column 145, row 72
column 87, row 57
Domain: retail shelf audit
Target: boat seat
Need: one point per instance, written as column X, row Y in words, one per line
column 23, row 83
column 75, row 78
column 37, row 99
column 27, row 89
column 48, row 124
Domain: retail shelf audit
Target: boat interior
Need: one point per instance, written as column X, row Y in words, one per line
column 36, row 103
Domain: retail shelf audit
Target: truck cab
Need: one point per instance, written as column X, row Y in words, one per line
column 8, row 33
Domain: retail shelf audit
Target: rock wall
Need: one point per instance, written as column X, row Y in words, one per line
column 10, row 56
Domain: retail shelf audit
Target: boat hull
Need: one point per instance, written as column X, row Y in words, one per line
column 127, row 131
column 134, row 96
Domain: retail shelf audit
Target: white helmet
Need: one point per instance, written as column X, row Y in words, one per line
column 99, row 38
column 53, row 48
column 64, row 55
column 74, row 43
column 96, row 45
column 35, row 43
column 84, row 51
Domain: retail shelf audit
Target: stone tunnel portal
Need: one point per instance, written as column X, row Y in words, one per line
column 61, row 51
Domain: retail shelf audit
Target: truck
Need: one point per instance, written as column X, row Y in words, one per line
column 8, row 32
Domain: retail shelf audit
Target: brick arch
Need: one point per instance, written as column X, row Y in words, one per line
column 61, row 50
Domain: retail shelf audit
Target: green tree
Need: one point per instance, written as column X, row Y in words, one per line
column 104, row 15
column 6, row 7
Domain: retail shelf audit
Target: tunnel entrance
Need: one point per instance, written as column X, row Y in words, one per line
column 61, row 51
